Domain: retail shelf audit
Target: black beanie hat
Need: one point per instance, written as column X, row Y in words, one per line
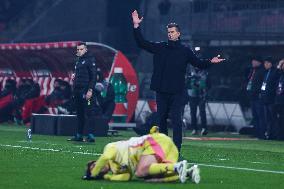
column 269, row 59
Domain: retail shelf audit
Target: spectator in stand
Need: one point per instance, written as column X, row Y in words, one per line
column 27, row 89
column 268, row 93
column 254, row 82
column 6, row 100
column 60, row 97
column 56, row 95
column 66, row 90
column 9, row 88
column 66, row 106
column 279, row 101
column 105, row 93
column 34, row 89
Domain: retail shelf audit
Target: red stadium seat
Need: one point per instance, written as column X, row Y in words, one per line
column 6, row 100
column 32, row 106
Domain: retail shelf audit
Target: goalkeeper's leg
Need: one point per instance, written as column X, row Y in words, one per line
column 118, row 177
column 166, row 178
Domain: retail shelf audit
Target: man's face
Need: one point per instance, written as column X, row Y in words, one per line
column 255, row 63
column 56, row 84
column 267, row 65
column 173, row 34
column 81, row 50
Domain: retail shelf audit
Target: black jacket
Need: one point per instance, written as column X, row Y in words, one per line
column 256, row 79
column 279, row 99
column 170, row 61
column 85, row 72
column 33, row 92
column 10, row 88
column 270, row 78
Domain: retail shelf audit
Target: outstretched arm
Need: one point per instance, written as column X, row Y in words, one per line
column 203, row 64
column 151, row 47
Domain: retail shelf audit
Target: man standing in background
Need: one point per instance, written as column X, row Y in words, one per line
column 268, row 93
column 85, row 101
column 279, row 101
column 254, row 82
column 197, row 86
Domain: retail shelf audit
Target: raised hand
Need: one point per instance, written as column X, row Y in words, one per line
column 217, row 59
column 135, row 19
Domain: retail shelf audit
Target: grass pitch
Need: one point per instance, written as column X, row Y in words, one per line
column 53, row 162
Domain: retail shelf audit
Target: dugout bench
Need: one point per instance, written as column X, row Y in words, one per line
column 65, row 125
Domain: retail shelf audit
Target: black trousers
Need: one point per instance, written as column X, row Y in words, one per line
column 258, row 115
column 194, row 103
column 170, row 104
column 270, row 121
column 86, row 111
column 279, row 112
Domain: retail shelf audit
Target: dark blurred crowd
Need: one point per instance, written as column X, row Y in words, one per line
column 264, row 86
column 19, row 100
column 13, row 97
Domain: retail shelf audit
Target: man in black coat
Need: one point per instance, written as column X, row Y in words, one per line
column 254, row 82
column 279, row 101
column 85, row 100
column 168, row 80
column 268, row 92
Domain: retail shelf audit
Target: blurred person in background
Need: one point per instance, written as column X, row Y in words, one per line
column 253, row 88
column 267, row 96
column 67, row 105
column 197, row 88
column 60, row 97
column 56, row 95
column 105, row 93
column 32, row 89
column 85, row 77
column 9, row 88
column 6, row 100
column 168, row 80
column 279, row 101
column 27, row 89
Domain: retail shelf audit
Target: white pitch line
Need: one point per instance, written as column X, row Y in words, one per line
column 49, row 149
column 98, row 154
column 241, row 168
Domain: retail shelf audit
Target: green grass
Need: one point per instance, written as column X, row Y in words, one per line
column 41, row 167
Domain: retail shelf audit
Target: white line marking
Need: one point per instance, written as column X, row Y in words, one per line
column 241, row 168
column 98, row 154
column 257, row 162
column 49, row 149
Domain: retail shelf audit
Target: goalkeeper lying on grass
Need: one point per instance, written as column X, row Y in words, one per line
column 152, row 157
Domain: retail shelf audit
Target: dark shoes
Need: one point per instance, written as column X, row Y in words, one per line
column 180, row 157
column 204, row 132
column 79, row 138
column 76, row 138
column 90, row 138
